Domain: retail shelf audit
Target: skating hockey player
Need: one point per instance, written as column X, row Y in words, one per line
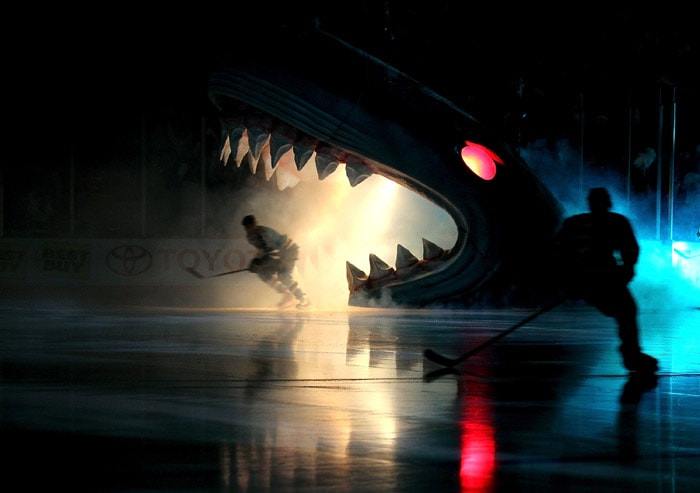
column 596, row 256
column 275, row 261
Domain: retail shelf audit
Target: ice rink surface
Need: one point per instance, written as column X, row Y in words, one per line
column 156, row 398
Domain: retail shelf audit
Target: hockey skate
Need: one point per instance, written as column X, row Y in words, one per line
column 304, row 303
column 638, row 384
column 642, row 363
column 286, row 301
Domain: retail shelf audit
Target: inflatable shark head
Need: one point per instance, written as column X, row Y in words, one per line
column 314, row 100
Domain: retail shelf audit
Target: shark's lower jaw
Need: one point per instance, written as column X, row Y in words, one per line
column 284, row 113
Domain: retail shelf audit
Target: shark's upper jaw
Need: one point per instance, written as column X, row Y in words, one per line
column 377, row 120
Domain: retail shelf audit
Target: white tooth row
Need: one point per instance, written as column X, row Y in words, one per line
column 407, row 266
column 284, row 153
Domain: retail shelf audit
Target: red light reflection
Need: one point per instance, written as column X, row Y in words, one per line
column 478, row 454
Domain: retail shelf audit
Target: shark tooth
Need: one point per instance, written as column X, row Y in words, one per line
column 408, row 265
column 378, row 269
column 404, row 258
column 287, row 175
column 266, row 159
column 285, row 178
column 257, row 138
column 233, row 129
column 279, row 146
column 242, row 150
column 225, row 151
column 356, row 277
column 304, row 148
column 252, row 163
column 327, row 160
column 356, row 170
column 325, row 165
column 431, row 251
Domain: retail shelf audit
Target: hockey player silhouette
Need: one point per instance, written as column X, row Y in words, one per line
column 275, row 260
column 596, row 256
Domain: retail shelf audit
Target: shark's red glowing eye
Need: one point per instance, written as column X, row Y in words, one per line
column 480, row 160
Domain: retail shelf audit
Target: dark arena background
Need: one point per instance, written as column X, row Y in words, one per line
column 122, row 371
column 116, row 154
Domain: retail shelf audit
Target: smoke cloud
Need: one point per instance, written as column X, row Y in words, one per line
column 334, row 223
column 659, row 282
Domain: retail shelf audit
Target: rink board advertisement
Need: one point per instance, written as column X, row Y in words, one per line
column 117, row 261
column 165, row 261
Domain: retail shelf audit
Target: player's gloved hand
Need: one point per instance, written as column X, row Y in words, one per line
column 255, row 265
column 627, row 273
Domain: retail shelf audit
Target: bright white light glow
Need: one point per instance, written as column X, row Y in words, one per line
column 334, row 223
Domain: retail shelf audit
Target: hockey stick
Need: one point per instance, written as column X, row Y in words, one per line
column 440, row 372
column 200, row 276
column 445, row 361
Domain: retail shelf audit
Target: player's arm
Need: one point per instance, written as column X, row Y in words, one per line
column 629, row 249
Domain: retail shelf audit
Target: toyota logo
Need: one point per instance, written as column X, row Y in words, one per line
column 129, row 260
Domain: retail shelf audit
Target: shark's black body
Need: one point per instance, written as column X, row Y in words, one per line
column 313, row 92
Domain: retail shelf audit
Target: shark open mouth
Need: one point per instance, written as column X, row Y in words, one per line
column 312, row 99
